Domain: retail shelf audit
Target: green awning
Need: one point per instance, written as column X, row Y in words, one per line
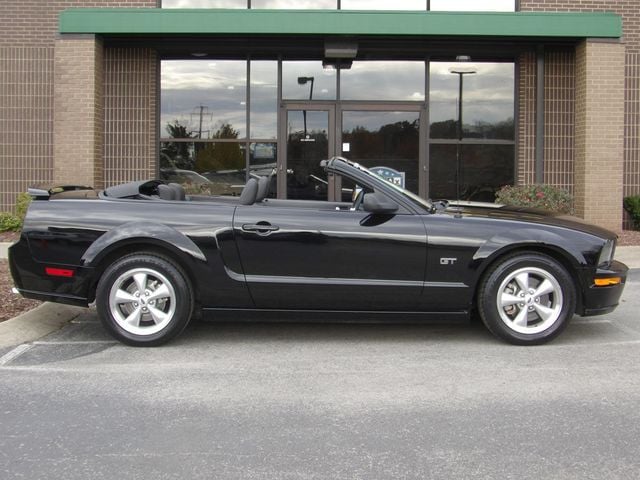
column 156, row 21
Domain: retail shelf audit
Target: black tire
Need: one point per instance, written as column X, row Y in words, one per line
column 149, row 317
column 532, row 315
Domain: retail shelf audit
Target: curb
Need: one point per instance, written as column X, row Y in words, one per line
column 4, row 249
column 36, row 323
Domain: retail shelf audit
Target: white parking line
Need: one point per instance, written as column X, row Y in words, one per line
column 16, row 352
column 78, row 342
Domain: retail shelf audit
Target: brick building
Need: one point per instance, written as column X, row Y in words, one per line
column 208, row 92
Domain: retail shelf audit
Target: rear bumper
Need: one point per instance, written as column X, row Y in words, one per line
column 601, row 300
column 32, row 282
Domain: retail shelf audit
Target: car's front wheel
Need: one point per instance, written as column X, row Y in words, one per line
column 527, row 299
column 144, row 300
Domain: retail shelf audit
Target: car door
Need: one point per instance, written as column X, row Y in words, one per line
column 325, row 256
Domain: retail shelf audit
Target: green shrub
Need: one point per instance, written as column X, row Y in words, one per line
column 9, row 221
column 546, row 197
column 632, row 205
column 13, row 221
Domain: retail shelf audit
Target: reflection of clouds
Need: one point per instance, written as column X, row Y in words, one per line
column 390, row 80
column 442, row 5
column 383, row 5
column 204, row 3
column 372, row 121
column 295, row 4
column 474, row 5
column 203, row 74
column 488, row 94
column 324, row 84
column 219, row 86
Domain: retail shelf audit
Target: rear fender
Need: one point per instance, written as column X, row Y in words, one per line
column 153, row 233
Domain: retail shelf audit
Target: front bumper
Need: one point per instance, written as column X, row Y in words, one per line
column 599, row 300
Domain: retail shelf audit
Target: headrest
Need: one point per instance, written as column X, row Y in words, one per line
column 249, row 192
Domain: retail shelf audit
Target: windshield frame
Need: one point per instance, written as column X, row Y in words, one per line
column 411, row 197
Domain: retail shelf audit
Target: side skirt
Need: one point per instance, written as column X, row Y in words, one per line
column 331, row 316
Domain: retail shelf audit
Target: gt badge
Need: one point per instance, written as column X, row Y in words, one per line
column 448, row 261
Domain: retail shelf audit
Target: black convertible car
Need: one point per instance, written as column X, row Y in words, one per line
column 152, row 258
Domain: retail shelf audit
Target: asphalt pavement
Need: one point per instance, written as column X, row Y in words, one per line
column 323, row 401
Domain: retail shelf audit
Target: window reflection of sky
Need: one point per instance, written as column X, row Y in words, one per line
column 324, row 81
column 399, row 81
column 220, row 86
column 440, row 5
column 488, row 95
column 383, row 5
column 204, row 3
column 473, row 5
column 295, row 4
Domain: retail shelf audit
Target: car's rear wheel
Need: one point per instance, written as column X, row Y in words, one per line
column 527, row 299
column 144, row 300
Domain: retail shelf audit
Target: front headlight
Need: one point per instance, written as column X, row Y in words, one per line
column 606, row 254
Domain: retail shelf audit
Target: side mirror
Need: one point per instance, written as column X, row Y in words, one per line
column 377, row 203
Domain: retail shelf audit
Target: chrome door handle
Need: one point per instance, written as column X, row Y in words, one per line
column 259, row 227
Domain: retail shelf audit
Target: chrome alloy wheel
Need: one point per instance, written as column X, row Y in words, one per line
column 529, row 300
column 142, row 301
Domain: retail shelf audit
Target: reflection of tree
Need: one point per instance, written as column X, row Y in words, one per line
column 504, row 130
column 392, row 141
column 176, row 154
column 211, row 157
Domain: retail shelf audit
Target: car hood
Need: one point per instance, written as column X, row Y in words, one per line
column 528, row 215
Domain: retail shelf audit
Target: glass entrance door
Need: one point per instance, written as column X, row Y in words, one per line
column 387, row 137
column 308, row 139
column 387, row 141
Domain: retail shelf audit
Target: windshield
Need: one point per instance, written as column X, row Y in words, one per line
column 421, row 202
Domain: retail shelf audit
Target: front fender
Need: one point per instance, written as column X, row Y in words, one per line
column 156, row 233
column 580, row 249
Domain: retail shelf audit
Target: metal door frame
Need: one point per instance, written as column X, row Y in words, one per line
column 314, row 106
column 335, row 110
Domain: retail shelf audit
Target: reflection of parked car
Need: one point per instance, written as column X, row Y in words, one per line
column 150, row 257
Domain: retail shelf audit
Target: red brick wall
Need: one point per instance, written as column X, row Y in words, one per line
column 35, row 22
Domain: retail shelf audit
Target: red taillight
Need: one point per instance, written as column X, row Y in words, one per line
column 59, row 272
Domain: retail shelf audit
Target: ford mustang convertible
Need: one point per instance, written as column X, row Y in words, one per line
column 151, row 258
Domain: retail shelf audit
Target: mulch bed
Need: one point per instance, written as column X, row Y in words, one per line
column 13, row 305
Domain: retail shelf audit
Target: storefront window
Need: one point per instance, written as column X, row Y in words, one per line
column 264, row 99
column 203, row 99
column 486, row 104
column 475, row 175
column 473, row 5
column 472, row 130
column 308, row 81
column 204, row 167
column 204, row 3
column 295, row 4
column 398, row 81
column 383, row 5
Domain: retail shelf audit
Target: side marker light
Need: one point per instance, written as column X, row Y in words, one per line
column 607, row 282
column 59, row 272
